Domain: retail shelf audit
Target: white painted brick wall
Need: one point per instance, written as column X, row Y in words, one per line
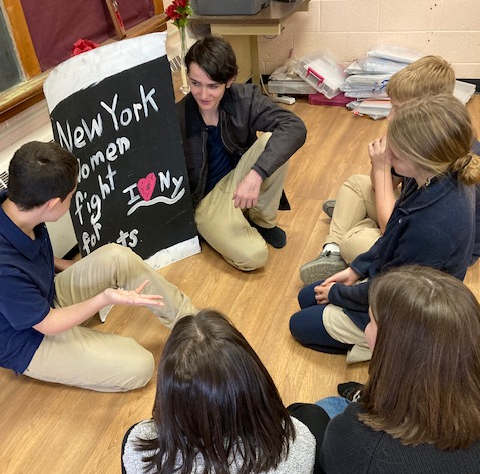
column 349, row 28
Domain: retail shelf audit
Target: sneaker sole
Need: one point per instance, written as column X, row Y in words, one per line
column 328, row 207
column 315, row 271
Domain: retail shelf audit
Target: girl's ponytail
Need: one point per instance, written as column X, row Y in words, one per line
column 468, row 168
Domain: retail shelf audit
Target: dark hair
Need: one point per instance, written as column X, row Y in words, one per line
column 215, row 56
column 215, row 398
column 424, row 376
column 39, row 172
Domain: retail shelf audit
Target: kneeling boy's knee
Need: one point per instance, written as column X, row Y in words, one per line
column 252, row 260
column 110, row 251
column 122, row 256
column 358, row 181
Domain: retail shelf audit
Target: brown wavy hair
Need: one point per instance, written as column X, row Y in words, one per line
column 424, row 376
column 215, row 56
column 216, row 398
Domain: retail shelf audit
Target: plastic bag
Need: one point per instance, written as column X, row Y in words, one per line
column 374, row 65
column 396, row 53
column 464, row 91
column 375, row 109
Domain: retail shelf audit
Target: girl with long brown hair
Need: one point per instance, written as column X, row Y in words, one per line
column 419, row 411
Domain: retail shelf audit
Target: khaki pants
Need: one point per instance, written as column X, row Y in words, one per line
column 226, row 228
column 92, row 359
column 354, row 226
column 341, row 328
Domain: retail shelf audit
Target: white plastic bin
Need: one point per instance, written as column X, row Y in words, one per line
column 321, row 71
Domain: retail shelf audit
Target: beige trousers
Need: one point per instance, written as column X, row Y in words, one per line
column 354, row 226
column 226, row 228
column 95, row 360
column 341, row 328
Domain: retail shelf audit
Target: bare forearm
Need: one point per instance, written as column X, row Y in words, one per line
column 384, row 196
column 62, row 319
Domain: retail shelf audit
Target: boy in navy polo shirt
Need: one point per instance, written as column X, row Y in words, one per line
column 41, row 311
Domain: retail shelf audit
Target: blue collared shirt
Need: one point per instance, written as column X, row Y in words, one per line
column 26, row 290
column 432, row 226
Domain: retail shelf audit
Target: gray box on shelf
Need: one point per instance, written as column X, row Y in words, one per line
column 228, row 7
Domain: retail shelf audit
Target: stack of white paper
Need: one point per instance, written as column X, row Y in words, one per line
column 370, row 75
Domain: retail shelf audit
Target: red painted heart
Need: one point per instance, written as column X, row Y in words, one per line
column 146, row 186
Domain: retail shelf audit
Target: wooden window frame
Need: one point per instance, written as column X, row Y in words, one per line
column 30, row 90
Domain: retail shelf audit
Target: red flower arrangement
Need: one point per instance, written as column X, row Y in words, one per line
column 82, row 45
column 178, row 11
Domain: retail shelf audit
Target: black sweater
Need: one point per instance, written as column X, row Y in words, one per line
column 351, row 447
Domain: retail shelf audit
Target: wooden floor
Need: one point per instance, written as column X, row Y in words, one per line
column 47, row 428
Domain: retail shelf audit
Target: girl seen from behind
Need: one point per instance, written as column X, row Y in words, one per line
column 420, row 409
column 216, row 410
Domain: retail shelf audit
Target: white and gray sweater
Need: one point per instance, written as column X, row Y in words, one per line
column 300, row 460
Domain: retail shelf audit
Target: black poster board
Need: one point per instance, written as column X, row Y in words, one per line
column 133, row 185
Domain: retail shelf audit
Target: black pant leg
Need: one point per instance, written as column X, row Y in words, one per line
column 316, row 420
